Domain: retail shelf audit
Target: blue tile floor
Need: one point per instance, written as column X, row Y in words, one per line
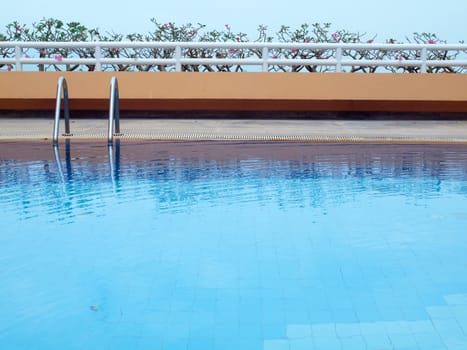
column 445, row 328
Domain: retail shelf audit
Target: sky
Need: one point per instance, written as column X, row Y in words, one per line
column 385, row 19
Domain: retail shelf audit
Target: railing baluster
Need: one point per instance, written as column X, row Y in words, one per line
column 265, row 57
column 18, row 53
column 98, row 56
column 423, row 58
column 178, row 56
column 339, row 59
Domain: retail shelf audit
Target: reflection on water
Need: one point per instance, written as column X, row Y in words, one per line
column 244, row 246
column 73, row 181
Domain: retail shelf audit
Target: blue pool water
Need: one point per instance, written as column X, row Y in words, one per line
column 233, row 246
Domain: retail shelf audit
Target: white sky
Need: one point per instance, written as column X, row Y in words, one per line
column 395, row 18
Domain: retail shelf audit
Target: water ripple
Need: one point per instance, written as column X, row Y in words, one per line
column 88, row 184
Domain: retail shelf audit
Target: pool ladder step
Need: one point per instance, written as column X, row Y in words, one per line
column 114, row 110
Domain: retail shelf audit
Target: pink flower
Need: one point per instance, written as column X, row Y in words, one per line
column 193, row 32
column 369, row 41
column 167, row 25
column 399, row 58
column 232, row 51
column 336, row 36
column 18, row 29
column 274, row 56
column 432, row 41
column 58, row 57
column 9, row 68
column 237, row 38
column 27, row 56
column 294, row 51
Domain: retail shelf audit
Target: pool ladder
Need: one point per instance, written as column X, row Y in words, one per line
column 114, row 111
column 62, row 88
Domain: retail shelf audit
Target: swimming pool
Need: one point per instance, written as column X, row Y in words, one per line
column 233, row 246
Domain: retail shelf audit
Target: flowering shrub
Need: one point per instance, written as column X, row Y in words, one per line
column 51, row 30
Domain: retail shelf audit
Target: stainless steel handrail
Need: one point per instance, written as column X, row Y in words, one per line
column 114, row 111
column 114, row 163
column 61, row 88
column 58, row 162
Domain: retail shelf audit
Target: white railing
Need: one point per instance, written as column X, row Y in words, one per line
column 183, row 56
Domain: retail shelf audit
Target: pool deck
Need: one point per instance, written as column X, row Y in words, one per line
column 306, row 130
column 28, row 98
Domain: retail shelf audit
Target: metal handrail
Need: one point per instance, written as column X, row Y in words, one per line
column 114, row 162
column 114, row 111
column 58, row 162
column 238, row 45
column 61, row 88
column 264, row 60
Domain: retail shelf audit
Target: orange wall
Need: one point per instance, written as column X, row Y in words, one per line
column 240, row 91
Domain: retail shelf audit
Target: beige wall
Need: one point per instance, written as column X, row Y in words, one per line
column 240, row 91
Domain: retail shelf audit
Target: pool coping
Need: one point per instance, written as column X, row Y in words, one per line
column 243, row 130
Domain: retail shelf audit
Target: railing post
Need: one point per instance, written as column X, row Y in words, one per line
column 339, row 59
column 18, row 64
column 265, row 57
column 98, row 56
column 423, row 57
column 178, row 56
